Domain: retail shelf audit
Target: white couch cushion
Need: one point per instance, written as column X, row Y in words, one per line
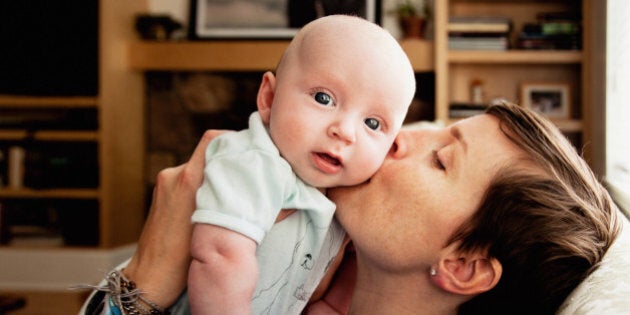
column 607, row 289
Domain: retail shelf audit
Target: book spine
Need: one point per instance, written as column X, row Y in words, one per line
column 16, row 167
column 478, row 27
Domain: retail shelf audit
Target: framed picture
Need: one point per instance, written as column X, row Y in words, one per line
column 550, row 99
column 268, row 18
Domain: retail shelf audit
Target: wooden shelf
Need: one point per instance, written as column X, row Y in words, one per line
column 569, row 125
column 57, row 193
column 420, row 53
column 48, row 102
column 238, row 55
column 206, row 55
column 504, row 72
column 49, row 135
column 515, row 57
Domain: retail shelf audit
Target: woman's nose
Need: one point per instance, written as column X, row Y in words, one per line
column 408, row 141
column 343, row 130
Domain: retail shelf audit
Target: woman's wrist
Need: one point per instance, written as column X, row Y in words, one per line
column 159, row 268
column 159, row 280
column 128, row 298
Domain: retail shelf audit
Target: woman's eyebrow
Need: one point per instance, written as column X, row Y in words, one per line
column 457, row 133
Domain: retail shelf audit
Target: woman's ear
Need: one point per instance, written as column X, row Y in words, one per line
column 467, row 273
column 266, row 93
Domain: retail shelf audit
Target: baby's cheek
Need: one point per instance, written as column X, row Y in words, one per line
column 365, row 168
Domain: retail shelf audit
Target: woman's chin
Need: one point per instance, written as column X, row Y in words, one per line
column 336, row 193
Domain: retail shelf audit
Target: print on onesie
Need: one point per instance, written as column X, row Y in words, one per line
column 292, row 273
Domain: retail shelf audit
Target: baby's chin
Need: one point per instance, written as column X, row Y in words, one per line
column 323, row 180
column 318, row 179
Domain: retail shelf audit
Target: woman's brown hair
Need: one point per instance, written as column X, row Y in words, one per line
column 545, row 217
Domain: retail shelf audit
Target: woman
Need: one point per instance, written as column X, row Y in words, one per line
column 495, row 214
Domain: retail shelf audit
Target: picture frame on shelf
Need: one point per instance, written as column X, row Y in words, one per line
column 267, row 19
column 551, row 99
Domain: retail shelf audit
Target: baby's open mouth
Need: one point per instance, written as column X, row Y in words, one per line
column 329, row 159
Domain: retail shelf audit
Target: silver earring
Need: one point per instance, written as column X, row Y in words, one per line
column 433, row 272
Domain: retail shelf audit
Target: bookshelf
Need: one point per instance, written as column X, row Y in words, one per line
column 503, row 71
column 107, row 210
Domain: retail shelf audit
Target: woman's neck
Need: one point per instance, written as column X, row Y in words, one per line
column 381, row 292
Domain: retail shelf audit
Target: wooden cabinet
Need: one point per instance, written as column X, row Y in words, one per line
column 111, row 208
column 504, row 72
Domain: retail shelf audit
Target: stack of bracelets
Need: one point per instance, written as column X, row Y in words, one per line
column 123, row 297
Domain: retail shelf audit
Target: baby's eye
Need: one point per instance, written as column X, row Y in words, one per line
column 323, row 98
column 372, row 123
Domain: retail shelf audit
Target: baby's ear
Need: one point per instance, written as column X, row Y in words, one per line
column 266, row 93
column 469, row 273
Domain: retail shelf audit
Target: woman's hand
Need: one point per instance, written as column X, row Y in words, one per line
column 160, row 265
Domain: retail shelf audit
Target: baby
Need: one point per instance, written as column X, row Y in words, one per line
column 326, row 118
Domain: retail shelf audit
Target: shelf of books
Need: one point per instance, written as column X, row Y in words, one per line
column 49, row 171
column 548, row 31
column 478, row 32
column 525, row 51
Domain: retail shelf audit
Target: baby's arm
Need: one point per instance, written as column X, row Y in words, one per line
column 223, row 272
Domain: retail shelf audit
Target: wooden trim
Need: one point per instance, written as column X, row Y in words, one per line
column 199, row 56
column 241, row 55
column 49, row 135
column 516, row 56
column 50, row 193
column 48, row 102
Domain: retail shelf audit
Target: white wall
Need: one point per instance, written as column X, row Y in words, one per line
column 57, row 269
column 618, row 100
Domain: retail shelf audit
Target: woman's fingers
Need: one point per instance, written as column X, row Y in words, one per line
column 163, row 247
column 198, row 157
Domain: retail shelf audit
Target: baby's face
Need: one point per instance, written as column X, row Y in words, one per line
column 336, row 113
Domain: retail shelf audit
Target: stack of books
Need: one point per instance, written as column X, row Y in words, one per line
column 553, row 30
column 463, row 110
column 479, row 32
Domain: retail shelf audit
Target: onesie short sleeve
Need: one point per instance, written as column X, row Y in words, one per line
column 245, row 182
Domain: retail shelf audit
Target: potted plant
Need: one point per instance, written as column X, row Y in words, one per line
column 412, row 17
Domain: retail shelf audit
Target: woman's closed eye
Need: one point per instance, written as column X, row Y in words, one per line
column 437, row 162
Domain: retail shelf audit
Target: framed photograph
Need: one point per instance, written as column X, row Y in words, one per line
column 268, row 18
column 551, row 99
